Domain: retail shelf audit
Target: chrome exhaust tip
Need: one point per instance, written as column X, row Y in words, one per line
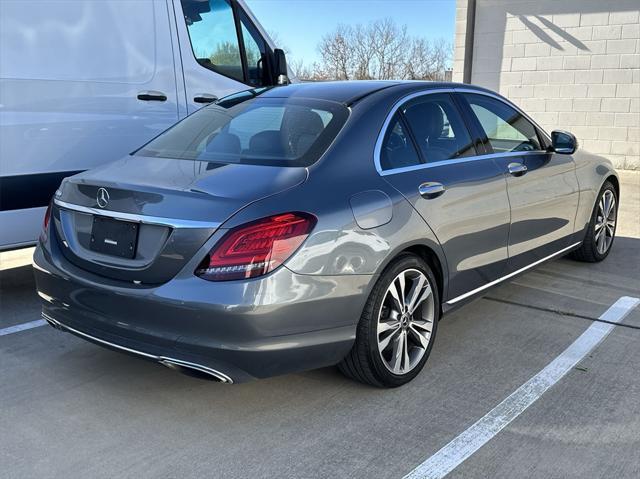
column 195, row 370
column 52, row 322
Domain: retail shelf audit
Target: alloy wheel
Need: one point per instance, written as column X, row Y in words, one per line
column 605, row 225
column 405, row 321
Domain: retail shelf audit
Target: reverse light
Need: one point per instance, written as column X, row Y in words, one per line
column 256, row 248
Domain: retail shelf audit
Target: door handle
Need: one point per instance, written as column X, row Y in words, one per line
column 152, row 95
column 431, row 189
column 204, row 98
column 517, row 169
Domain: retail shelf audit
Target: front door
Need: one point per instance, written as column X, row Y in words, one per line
column 428, row 155
column 222, row 51
column 542, row 186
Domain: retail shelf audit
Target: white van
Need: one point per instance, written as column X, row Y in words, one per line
column 83, row 82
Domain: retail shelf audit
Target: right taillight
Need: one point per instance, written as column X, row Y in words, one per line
column 45, row 224
column 256, row 248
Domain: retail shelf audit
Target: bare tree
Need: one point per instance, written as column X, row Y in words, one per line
column 337, row 54
column 379, row 50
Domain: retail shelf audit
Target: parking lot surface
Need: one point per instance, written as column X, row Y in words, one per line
column 72, row 409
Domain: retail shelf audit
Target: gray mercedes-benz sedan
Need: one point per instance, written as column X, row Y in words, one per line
column 303, row 226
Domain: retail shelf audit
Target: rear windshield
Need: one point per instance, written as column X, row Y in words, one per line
column 258, row 131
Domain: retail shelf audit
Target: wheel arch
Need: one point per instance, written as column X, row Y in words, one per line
column 432, row 259
column 613, row 179
column 430, row 255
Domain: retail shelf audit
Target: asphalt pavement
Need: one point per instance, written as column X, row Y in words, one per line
column 71, row 409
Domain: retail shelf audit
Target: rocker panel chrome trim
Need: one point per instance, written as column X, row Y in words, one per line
column 510, row 275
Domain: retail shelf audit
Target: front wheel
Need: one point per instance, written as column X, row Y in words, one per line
column 397, row 327
column 602, row 227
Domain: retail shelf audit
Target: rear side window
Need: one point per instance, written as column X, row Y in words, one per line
column 260, row 131
column 505, row 128
column 438, row 128
column 398, row 150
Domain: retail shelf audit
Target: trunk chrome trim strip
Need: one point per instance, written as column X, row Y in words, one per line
column 164, row 360
column 151, row 220
column 511, row 275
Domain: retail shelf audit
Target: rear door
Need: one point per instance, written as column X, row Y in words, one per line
column 428, row 155
column 542, row 186
column 222, row 50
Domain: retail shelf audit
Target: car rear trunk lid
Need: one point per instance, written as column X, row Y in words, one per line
column 142, row 219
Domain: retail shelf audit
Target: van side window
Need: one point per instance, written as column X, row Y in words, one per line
column 438, row 128
column 505, row 128
column 255, row 49
column 213, row 35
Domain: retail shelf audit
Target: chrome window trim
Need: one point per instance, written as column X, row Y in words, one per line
column 151, row 220
column 407, row 98
column 508, row 102
column 467, row 159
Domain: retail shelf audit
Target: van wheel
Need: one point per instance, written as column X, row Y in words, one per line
column 397, row 327
column 602, row 227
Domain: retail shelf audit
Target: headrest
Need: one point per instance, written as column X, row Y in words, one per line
column 224, row 143
column 426, row 119
column 302, row 121
column 267, row 143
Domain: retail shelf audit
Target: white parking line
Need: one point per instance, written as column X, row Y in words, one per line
column 459, row 449
column 22, row 327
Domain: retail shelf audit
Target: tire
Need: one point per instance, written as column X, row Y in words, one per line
column 591, row 250
column 414, row 333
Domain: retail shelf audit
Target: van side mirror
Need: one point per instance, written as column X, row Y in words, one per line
column 281, row 74
column 563, row 142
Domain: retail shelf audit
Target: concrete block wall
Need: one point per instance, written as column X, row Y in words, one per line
column 571, row 64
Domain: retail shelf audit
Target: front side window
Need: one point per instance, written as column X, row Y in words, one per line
column 438, row 128
column 398, row 150
column 258, row 131
column 213, row 35
column 505, row 128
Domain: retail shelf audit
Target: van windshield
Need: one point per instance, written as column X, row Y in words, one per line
column 257, row 131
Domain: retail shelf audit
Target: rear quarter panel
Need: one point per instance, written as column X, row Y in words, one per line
column 338, row 245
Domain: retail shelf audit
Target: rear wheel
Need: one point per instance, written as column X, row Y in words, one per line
column 602, row 227
column 398, row 326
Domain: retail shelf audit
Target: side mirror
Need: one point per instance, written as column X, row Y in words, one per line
column 563, row 142
column 281, row 74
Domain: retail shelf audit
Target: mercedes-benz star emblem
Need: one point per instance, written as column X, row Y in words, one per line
column 102, row 197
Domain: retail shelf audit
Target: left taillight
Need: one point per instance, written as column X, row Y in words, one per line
column 45, row 223
column 256, row 248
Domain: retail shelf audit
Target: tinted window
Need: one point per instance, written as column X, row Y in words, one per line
column 398, row 150
column 259, row 131
column 213, row 35
column 506, row 129
column 438, row 128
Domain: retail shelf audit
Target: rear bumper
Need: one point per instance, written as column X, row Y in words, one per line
column 164, row 360
column 233, row 331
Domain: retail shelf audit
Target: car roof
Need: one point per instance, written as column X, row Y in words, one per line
column 349, row 92
column 340, row 91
